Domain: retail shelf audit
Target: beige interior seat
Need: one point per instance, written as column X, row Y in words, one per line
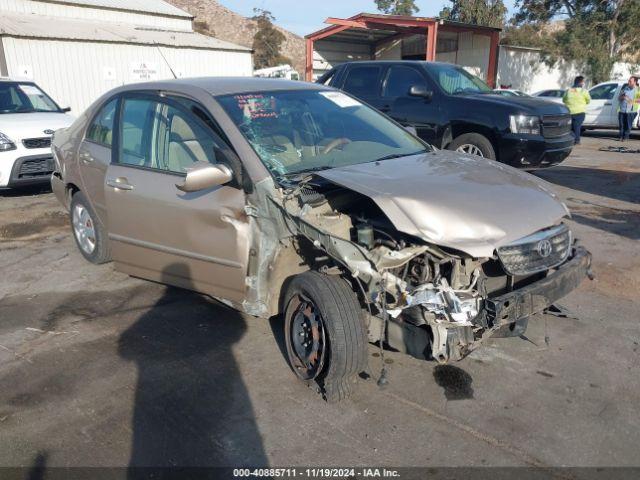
column 186, row 147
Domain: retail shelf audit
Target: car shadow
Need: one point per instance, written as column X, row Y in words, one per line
column 191, row 408
column 25, row 191
column 615, row 184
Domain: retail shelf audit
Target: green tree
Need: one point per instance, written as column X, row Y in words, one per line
column 267, row 41
column 596, row 33
column 490, row 13
column 397, row 7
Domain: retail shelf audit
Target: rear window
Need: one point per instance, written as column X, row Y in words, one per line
column 363, row 81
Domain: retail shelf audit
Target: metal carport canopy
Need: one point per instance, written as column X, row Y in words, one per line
column 372, row 28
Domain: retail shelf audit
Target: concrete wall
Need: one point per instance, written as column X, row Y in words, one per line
column 525, row 70
column 99, row 14
column 76, row 73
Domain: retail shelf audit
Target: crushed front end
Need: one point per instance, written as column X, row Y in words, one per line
column 426, row 300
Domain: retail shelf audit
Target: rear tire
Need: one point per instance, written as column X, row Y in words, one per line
column 90, row 235
column 474, row 144
column 325, row 333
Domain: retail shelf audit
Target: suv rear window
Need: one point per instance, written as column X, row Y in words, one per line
column 363, row 81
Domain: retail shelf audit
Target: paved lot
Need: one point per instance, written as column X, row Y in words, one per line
column 100, row 369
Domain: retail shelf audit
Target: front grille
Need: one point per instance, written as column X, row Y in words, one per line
column 556, row 125
column 36, row 167
column 538, row 252
column 43, row 142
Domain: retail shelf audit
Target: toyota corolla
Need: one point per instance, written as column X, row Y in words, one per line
column 295, row 199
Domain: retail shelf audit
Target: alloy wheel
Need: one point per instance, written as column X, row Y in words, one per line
column 84, row 229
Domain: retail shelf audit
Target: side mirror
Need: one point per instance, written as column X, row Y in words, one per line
column 420, row 91
column 412, row 130
column 65, row 109
column 205, row 175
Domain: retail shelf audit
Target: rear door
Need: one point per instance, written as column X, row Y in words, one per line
column 364, row 82
column 602, row 111
column 197, row 240
column 94, row 155
column 407, row 110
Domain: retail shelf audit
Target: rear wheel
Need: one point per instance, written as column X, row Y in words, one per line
column 88, row 232
column 325, row 333
column 473, row 144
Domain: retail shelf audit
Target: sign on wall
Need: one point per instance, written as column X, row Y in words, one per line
column 24, row 71
column 109, row 73
column 142, row 71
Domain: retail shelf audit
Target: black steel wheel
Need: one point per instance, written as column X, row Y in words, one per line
column 325, row 333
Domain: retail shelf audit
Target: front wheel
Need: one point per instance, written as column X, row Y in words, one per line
column 473, row 144
column 325, row 333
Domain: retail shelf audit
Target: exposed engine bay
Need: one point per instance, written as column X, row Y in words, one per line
column 422, row 299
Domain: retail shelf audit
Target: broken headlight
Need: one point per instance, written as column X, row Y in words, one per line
column 528, row 124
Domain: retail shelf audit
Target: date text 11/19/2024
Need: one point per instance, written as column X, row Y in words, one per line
column 316, row 472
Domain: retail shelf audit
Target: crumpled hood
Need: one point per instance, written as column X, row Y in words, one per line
column 32, row 125
column 455, row 200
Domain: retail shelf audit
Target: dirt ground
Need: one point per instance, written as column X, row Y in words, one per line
column 99, row 369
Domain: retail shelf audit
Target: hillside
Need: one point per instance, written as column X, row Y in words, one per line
column 214, row 19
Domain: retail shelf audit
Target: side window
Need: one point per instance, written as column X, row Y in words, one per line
column 138, row 143
column 363, row 81
column 400, row 80
column 189, row 141
column 163, row 137
column 101, row 128
column 603, row 92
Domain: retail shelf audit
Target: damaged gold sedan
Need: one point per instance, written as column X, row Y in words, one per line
column 293, row 199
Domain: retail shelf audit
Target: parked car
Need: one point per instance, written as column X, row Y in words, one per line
column 508, row 92
column 602, row 111
column 452, row 109
column 28, row 118
column 553, row 95
column 294, row 199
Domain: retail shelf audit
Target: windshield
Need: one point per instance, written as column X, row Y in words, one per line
column 455, row 80
column 24, row 98
column 307, row 130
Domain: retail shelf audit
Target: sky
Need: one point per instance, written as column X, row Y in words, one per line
column 306, row 16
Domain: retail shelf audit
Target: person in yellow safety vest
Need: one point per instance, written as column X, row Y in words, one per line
column 636, row 99
column 576, row 99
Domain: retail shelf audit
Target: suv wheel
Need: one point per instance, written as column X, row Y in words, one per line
column 90, row 235
column 325, row 333
column 474, row 144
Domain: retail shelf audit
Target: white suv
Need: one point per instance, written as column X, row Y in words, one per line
column 28, row 118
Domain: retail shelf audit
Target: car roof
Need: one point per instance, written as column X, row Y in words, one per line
column 9, row 79
column 218, row 86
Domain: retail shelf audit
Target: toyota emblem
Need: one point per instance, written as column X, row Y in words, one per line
column 544, row 248
column 48, row 131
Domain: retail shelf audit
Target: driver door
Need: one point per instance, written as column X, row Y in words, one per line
column 602, row 111
column 407, row 110
column 197, row 240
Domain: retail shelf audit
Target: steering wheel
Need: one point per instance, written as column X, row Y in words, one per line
column 335, row 144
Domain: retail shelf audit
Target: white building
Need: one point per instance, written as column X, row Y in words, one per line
column 78, row 49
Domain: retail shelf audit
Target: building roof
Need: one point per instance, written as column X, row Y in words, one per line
column 42, row 27
column 363, row 24
column 146, row 6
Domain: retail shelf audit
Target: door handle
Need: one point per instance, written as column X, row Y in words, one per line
column 119, row 183
column 607, row 103
column 86, row 157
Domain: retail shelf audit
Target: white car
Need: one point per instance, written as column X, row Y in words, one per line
column 28, row 118
column 509, row 92
column 602, row 112
column 553, row 95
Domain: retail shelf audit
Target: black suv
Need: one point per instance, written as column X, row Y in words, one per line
column 450, row 108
